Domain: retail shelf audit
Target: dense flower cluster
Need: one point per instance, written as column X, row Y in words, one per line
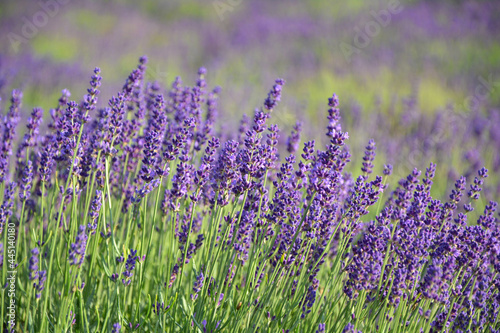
column 257, row 228
column 129, row 267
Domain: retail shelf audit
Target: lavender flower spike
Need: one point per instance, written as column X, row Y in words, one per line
column 293, row 141
column 94, row 212
column 42, row 277
column 9, row 131
column 90, row 100
column 25, row 186
column 274, row 96
column 368, row 158
column 33, row 264
column 8, row 204
column 77, row 249
column 33, row 126
column 129, row 267
column 198, row 285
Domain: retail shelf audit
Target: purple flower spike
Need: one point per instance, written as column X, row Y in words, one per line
column 25, row 184
column 7, row 205
column 9, row 131
column 94, row 212
column 173, row 276
column 293, row 141
column 129, row 267
column 349, row 328
column 198, row 285
column 46, row 164
column 33, row 264
column 274, row 96
column 30, row 138
column 40, row 285
column 158, row 308
column 387, row 169
column 77, row 249
column 225, row 173
column 90, row 100
column 368, row 158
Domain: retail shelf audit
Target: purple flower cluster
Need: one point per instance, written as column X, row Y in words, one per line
column 116, row 328
column 7, row 205
column 37, row 276
column 33, row 264
column 9, row 131
column 198, row 285
column 26, row 181
column 94, row 212
column 78, row 248
column 431, row 254
column 252, row 202
column 129, row 267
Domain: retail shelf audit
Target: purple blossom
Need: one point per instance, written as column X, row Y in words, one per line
column 210, row 119
column 292, row 216
column 152, row 144
column 274, row 96
column 116, row 328
column 368, row 158
column 116, row 119
column 46, row 164
column 198, row 285
column 387, row 169
column 243, row 128
column 225, row 173
column 33, row 264
column 349, row 328
column 9, row 131
column 94, row 212
column 293, row 141
column 78, row 248
column 159, row 308
column 7, row 205
column 202, row 175
column 56, row 114
column 145, row 190
column 90, row 100
column 310, row 298
column 40, row 285
column 31, row 136
column 68, row 129
column 173, row 276
column 26, row 182
column 129, row 267
column 135, row 78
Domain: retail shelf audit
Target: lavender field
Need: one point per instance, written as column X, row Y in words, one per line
column 249, row 166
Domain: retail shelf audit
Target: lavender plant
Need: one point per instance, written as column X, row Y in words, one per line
column 142, row 216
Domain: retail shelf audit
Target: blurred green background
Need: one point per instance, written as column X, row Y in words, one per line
column 427, row 57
